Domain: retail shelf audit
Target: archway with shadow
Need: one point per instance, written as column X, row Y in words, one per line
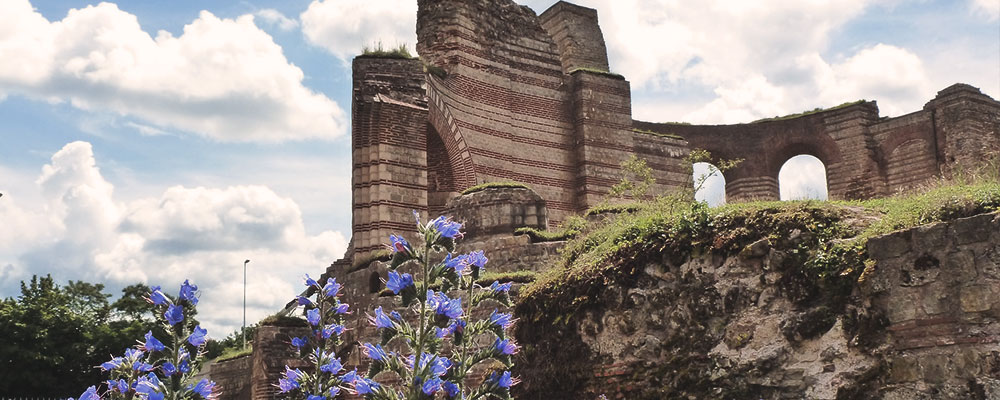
column 712, row 184
column 803, row 177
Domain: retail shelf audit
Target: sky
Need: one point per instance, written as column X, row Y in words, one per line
column 160, row 141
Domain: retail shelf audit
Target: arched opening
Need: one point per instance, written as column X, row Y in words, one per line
column 802, row 177
column 374, row 283
column 709, row 184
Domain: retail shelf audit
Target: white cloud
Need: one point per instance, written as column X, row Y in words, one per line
column 81, row 232
column 988, row 8
column 343, row 27
column 802, row 177
column 276, row 18
column 224, row 79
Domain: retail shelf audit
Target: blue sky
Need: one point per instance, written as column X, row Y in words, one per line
column 157, row 141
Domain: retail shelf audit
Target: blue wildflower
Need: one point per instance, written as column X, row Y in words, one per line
column 204, row 388
column 446, row 227
column 148, row 384
column 431, row 386
column 90, row 394
column 502, row 320
column 331, row 329
column 315, row 397
column 506, row 381
column 450, row 389
column 174, row 314
column 506, row 347
column 311, row 282
column 334, row 391
column 365, row 386
column 188, row 292
column 497, row 288
column 333, row 367
column 374, row 352
column 140, row 366
column 302, row 301
column 477, row 259
column 332, row 288
column 341, row 308
column 197, row 338
column 395, row 315
column 380, row 320
column 438, row 365
column 156, row 296
column 298, row 342
column 121, row 385
column 398, row 244
column 290, row 381
column 443, row 305
column 110, row 365
column 397, row 283
column 313, row 316
column 456, row 326
column 350, row 376
column 169, row 369
column 457, row 263
column 152, row 344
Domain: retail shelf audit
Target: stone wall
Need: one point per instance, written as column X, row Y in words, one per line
column 924, row 324
column 272, row 351
column 232, row 378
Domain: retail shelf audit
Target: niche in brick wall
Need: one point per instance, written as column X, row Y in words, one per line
column 802, row 177
column 713, row 184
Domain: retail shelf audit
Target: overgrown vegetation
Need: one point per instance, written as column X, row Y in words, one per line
column 810, row 112
column 659, row 134
column 828, row 239
column 504, row 277
column 597, row 71
column 494, row 185
column 378, row 51
column 612, row 209
column 571, row 228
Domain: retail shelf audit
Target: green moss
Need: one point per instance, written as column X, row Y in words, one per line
column 231, row 354
column 363, row 262
column 574, row 226
column 400, row 52
column 597, row 71
column 494, row 185
column 435, row 70
column 282, row 320
column 658, row 134
column 810, row 112
column 504, row 277
column 612, row 209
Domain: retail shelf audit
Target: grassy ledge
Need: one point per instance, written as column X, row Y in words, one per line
column 658, row 134
column 400, row 52
column 598, row 72
column 363, row 262
column 810, row 112
column 494, row 185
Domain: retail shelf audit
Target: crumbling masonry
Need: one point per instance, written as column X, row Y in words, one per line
column 500, row 94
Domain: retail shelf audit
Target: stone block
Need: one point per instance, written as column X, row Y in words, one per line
column 977, row 298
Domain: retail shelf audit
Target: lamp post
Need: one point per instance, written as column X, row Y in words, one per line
column 244, row 331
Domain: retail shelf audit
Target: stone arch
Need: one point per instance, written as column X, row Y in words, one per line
column 463, row 171
column 713, row 191
column 787, row 179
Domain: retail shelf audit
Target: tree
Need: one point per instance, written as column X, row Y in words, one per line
column 637, row 178
column 54, row 337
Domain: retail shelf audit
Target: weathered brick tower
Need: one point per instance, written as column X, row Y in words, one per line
column 500, row 94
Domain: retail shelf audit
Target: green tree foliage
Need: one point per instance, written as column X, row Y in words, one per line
column 637, row 178
column 53, row 336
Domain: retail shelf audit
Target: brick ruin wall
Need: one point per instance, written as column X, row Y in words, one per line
column 523, row 98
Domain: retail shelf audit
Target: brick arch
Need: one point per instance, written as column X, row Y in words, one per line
column 827, row 153
column 909, row 164
column 462, row 170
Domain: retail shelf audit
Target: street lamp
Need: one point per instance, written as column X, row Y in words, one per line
column 244, row 331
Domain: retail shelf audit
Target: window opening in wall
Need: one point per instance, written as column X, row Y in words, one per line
column 713, row 184
column 802, row 177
